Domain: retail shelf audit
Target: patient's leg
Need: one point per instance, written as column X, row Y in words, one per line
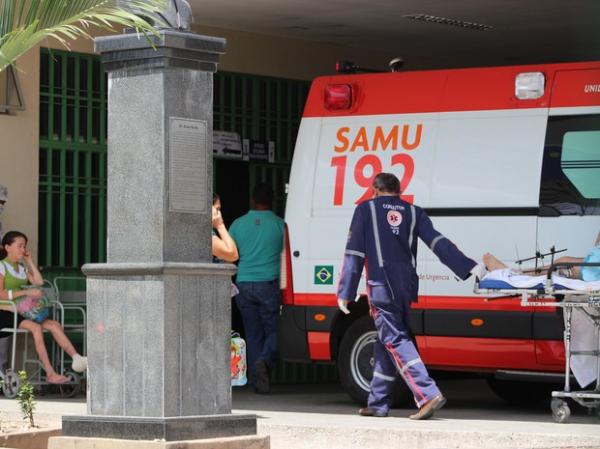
column 572, row 272
column 492, row 263
column 575, row 271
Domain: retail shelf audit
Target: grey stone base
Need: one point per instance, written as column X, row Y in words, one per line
column 247, row 442
column 167, row 429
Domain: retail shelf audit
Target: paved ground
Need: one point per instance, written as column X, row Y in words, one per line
column 322, row 416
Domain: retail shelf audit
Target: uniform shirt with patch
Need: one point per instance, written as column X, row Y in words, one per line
column 384, row 232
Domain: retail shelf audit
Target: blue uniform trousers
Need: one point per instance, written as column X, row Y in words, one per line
column 395, row 352
column 259, row 304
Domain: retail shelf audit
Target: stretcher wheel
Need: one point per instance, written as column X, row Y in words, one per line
column 11, row 384
column 560, row 410
column 72, row 388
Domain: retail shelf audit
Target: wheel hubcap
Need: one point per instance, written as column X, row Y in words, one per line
column 362, row 360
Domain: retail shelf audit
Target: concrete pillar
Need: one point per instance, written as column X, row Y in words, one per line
column 159, row 310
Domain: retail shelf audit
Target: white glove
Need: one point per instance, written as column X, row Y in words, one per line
column 343, row 305
column 479, row 271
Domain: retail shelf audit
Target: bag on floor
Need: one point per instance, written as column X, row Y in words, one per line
column 238, row 360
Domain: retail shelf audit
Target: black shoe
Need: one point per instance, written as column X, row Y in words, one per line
column 262, row 383
column 366, row 411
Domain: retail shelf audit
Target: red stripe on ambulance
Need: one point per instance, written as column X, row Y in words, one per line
column 481, row 89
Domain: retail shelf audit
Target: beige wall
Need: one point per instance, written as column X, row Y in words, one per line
column 19, row 155
column 288, row 58
column 19, row 149
column 246, row 53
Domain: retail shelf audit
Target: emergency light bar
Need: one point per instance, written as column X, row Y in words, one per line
column 338, row 97
column 529, row 85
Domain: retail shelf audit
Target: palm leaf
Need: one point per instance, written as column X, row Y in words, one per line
column 26, row 23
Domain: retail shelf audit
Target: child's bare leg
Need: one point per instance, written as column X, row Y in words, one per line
column 492, row 263
column 38, row 338
column 59, row 335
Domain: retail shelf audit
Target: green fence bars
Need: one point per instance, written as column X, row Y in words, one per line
column 72, row 170
column 73, row 151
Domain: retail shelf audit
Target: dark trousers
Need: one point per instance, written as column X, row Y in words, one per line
column 259, row 304
column 395, row 352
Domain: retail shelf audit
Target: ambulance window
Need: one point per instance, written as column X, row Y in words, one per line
column 571, row 167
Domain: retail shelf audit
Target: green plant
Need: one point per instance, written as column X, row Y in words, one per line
column 25, row 23
column 26, row 398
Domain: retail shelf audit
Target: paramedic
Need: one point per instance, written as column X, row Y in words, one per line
column 259, row 238
column 383, row 236
column 17, row 268
column 223, row 246
column 583, row 273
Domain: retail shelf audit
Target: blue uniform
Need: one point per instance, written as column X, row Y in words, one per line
column 383, row 235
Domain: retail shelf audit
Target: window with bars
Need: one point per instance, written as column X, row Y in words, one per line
column 264, row 109
column 72, row 170
column 72, row 225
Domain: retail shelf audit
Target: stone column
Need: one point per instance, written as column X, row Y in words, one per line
column 159, row 310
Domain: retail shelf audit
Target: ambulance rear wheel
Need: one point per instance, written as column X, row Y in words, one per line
column 355, row 363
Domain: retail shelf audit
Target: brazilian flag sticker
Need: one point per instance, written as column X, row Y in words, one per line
column 323, row 275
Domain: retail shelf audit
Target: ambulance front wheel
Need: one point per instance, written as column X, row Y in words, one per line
column 355, row 363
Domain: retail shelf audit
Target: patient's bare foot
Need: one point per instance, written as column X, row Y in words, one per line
column 492, row 263
column 56, row 378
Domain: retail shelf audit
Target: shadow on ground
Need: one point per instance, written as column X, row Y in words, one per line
column 469, row 399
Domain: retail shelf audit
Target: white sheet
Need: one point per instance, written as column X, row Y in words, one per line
column 520, row 280
column 584, row 335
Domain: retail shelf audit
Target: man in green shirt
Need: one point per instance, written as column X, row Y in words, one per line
column 259, row 239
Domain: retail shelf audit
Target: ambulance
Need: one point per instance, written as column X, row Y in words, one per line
column 504, row 160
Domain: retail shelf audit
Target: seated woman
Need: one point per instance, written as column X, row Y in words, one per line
column 16, row 270
column 586, row 274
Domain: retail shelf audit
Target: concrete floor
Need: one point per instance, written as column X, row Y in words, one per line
column 323, row 416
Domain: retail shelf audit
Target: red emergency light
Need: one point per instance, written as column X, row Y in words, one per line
column 338, row 97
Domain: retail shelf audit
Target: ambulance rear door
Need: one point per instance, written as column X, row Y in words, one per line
column 484, row 197
column 569, row 214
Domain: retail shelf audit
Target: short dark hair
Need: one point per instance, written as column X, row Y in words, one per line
column 387, row 182
column 8, row 239
column 263, row 194
column 216, row 198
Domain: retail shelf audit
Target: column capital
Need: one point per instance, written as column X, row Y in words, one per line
column 171, row 49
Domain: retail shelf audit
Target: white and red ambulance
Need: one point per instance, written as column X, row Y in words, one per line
column 504, row 159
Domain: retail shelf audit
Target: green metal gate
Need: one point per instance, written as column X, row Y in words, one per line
column 264, row 109
column 72, row 172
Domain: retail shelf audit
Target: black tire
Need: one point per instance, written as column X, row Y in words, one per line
column 71, row 389
column 355, row 363
column 517, row 392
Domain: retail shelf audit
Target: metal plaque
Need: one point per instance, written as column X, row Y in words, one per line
column 188, row 186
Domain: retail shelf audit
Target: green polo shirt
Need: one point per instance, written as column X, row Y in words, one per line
column 259, row 239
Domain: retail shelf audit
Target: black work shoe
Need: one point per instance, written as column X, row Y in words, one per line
column 262, row 383
column 366, row 411
column 428, row 409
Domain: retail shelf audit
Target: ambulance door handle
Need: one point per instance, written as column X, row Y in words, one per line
column 296, row 253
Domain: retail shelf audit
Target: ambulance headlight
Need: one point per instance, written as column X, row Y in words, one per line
column 529, row 85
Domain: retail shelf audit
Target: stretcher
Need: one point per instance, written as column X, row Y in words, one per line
column 581, row 303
